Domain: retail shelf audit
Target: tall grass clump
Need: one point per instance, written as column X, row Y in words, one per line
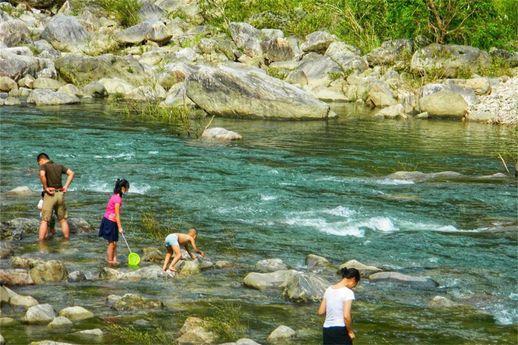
column 227, row 321
column 130, row 335
column 125, row 11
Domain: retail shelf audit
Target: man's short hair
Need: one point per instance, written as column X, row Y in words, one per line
column 42, row 156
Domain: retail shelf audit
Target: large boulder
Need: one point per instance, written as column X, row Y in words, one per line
column 49, row 271
column 76, row 313
column 261, row 281
column 318, row 42
column 14, row 32
column 304, row 287
column 65, row 33
column 49, row 97
column 41, row 313
column 16, row 66
column 232, row 90
column 246, row 38
column 391, row 53
column 270, row 265
column 281, row 335
column 8, row 296
column 347, row 56
column 468, row 94
column 444, row 103
column 449, row 60
column 130, row 302
column 81, row 70
column 404, row 279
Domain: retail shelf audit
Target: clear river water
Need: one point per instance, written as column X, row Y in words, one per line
column 286, row 190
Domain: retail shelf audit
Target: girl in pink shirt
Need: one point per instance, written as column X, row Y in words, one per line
column 111, row 222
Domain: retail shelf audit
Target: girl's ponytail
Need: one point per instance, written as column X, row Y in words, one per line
column 119, row 184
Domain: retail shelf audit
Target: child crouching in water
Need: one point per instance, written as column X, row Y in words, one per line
column 173, row 243
column 111, row 223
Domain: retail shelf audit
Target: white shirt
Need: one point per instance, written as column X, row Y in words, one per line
column 335, row 299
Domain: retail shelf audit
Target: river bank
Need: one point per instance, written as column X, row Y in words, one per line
column 173, row 58
column 285, row 191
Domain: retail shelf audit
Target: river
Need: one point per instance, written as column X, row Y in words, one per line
column 286, row 190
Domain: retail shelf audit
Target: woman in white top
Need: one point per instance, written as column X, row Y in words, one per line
column 336, row 306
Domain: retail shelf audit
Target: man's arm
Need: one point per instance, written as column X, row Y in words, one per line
column 70, row 177
column 43, row 180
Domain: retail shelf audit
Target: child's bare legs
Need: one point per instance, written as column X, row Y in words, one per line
column 111, row 252
column 43, row 230
column 167, row 257
column 177, row 257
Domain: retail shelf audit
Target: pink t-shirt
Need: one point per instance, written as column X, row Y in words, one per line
column 110, row 208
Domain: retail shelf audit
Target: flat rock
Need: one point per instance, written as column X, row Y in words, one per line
column 46, row 83
column 261, row 281
column 76, row 313
column 316, row 263
column 6, row 249
column 404, row 279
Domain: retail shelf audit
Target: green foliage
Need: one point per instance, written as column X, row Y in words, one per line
column 227, row 322
column 125, row 11
column 366, row 23
column 130, row 335
column 278, row 73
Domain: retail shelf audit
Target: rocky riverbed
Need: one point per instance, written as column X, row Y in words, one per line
column 64, row 55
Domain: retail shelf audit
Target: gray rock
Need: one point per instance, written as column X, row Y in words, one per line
column 317, row 263
column 391, row 53
column 449, row 59
column 317, row 69
column 270, row 265
column 26, row 81
column 76, row 313
column 318, row 42
column 175, row 73
column 41, row 313
column 246, row 38
column 7, row 321
column 17, row 66
column 222, row 264
column 219, row 133
column 81, row 70
column 347, row 56
column 70, row 89
column 380, row 95
column 91, row 333
column 404, row 279
column 249, row 92
column 15, row 229
column 149, row 10
column 511, row 58
column 49, row 97
column 149, row 30
column 130, row 302
column 14, row 32
column 49, row 271
column 261, row 281
column 444, row 103
column 60, row 322
column 76, row 276
column 8, row 296
column 279, row 49
column 365, row 270
column 47, row 50
column 281, row 335
column 22, row 191
column 112, row 299
column 304, row 287
column 47, row 83
column 467, row 94
column 480, row 86
column 94, row 89
column 65, row 33
column 12, row 101
column 152, row 254
column 6, row 249
column 116, row 86
column 188, row 267
column 392, row 112
column 246, row 341
column 442, row 302
column 15, row 277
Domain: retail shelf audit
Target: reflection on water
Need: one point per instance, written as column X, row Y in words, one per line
column 286, row 190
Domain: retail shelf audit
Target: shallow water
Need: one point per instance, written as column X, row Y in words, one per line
column 286, row 190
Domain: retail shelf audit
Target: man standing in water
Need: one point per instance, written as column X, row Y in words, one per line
column 54, row 199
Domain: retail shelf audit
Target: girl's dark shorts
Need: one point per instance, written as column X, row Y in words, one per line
column 109, row 230
column 336, row 336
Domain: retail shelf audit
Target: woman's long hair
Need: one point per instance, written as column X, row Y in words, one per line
column 118, row 186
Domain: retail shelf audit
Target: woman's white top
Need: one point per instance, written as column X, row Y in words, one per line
column 335, row 299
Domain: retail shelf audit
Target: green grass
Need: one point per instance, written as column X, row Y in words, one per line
column 227, row 322
column 125, row 11
column 130, row 335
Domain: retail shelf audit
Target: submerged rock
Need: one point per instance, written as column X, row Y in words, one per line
column 194, row 332
column 237, row 91
column 281, row 335
column 270, row 265
column 130, row 302
column 219, row 133
column 60, row 322
column 404, row 279
column 318, row 263
column 49, row 271
column 15, row 277
column 442, row 302
column 15, row 229
column 8, row 296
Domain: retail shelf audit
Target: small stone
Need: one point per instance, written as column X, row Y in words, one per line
column 76, row 313
column 93, row 333
column 281, row 335
column 218, row 133
column 270, row 265
column 423, row 115
column 223, row 264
